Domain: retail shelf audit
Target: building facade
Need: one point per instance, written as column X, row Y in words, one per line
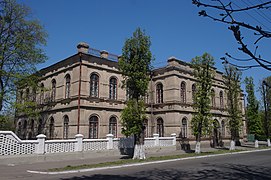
column 83, row 94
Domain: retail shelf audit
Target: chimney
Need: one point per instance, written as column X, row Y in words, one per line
column 82, row 47
column 104, row 54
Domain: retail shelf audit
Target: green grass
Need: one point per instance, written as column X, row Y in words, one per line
column 131, row 161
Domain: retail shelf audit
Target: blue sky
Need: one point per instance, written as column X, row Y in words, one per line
column 174, row 27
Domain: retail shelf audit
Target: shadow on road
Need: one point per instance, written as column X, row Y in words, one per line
column 207, row 171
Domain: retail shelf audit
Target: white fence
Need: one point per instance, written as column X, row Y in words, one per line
column 10, row 144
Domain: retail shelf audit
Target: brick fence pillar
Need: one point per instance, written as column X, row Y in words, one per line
column 79, row 142
column 109, row 137
column 40, row 147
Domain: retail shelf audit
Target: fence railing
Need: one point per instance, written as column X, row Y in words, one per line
column 10, row 144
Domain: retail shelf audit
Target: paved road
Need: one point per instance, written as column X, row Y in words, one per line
column 255, row 165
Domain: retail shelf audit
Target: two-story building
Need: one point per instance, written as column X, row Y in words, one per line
column 83, row 94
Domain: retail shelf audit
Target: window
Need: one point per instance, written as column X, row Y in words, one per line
column 67, row 86
column 223, row 128
column 94, row 85
column 184, row 128
column 93, row 127
column 160, row 127
column 27, row 95
column 183, row 93
column 40, row 126
column 51, row 128
column 221, row 99
column 21, row 96
column 53, row 95
column 19, row 131
column 25, row 124
column 66, row 127
column 42, row 93
column 113, row 126
column 193, row 91
column 127, row 94
column 33, row 95
column 145, row 126
column 113, row 88
column 213, row 98
column 32, row 125
column 159, row 93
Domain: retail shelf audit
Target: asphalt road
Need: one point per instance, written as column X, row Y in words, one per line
column 254, row 165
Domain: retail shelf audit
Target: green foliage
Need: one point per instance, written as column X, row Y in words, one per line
column 132, row 117
column 135, row 66
column 232, row 81
column 21, row 39
column 252, row 112
column 204, row 73
column 6, row 123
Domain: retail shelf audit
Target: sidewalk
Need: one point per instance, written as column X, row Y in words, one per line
column 48, row 161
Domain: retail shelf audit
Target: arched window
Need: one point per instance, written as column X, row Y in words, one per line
column 33, row 94
column 67, row 86
column 42, row 93
column 93, row 127
column 66, row 127
column 145, row 126
column 223, row 128
column 160, row 127
column 19, row 131
column 21, row 96
column 25, row 124
column 32, row 125
column 113, row 88
column 113, row 126
column 53, row 95
column 51, row 128
column 27, row 94
column 184, row 128
column 221, row 99
column 40, row 125
column 159, row 93
column 194, row 89
column 213, row 97
column 183, row 92
column 94, row 85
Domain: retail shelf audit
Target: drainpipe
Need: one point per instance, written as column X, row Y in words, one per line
column 79, row 91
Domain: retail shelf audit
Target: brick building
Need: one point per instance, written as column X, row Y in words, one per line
column 83, row 94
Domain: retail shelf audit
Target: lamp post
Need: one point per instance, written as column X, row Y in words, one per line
column 266, row 122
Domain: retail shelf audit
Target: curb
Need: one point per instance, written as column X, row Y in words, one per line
column 141, row 164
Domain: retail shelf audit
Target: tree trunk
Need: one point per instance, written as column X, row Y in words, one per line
column 232, row 145
column 197, row 149
column 139, row 149
column 268, row 143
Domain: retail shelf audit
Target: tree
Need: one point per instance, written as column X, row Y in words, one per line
column 232, row 81
column 252, row 110
column 204, row 73
column 21, row 39
column 266, row 93
column 228, row 12
column 135, row 67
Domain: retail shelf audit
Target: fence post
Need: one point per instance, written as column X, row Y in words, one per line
column 268, row 143
column 40, row 147
column 256, row 143
column 109, row 137
column 174, row 139
column 79, row 143
column 156, row 139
